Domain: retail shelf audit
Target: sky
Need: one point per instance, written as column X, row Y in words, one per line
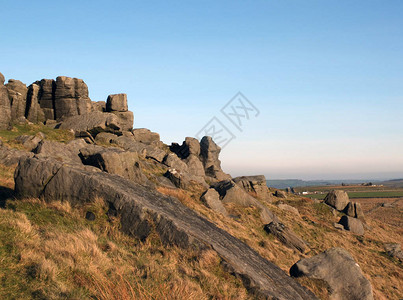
column 325, row 76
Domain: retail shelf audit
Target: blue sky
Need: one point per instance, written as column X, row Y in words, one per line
column 327, row 76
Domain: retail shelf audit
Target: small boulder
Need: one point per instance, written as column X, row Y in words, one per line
column 337, row 267
column 212, row 200
column 352, row 224
column 354, row 210
column 289, row 208
column 280, row 194
column 394, row 250
column 337, row 199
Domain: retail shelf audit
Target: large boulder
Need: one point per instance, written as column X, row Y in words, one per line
column 254, row 185
column 116, row 102
column 93, row 122
column 209, row 153
column 143, row 211
column 230, row 192
column 146, row 136
column 352, row 224
column 114, row 161
column 353, row 209
column 5, row 107
column 17, row 92
column 71, row 97
column 286, row 236
column 212, row 200
column 337, row 199
column 337, row 267
column 64, row 152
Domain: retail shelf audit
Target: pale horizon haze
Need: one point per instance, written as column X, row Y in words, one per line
column 326, row 76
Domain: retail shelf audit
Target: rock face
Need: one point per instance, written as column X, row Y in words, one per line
column 209, row 152
column 212, row 200
column 337, row 199
column 34, row 113
column 5, row 107
column 71, row 97
column 352, row 224
column 337, row 267
column 17, row 92
column 254, row 185
column 286, row 236
column 142, row 209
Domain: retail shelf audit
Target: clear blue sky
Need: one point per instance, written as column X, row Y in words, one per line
column 327, row 76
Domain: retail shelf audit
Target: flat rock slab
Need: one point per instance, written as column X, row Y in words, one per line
column 142, row 209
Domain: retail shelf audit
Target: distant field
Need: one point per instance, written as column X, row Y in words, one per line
column 363, row 194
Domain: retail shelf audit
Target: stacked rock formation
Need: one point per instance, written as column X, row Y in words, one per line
column 57, row 100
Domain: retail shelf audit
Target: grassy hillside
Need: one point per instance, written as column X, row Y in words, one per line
column 51, row 251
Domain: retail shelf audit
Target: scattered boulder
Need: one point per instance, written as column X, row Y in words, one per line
column 71, row 97
column 352, row 224
column 288, row 208
column 146, row 136
column 254, row 185
column 5, row 107
column 286, row 236
column 17, row 93
column 337, row 199
column 93, row 122
column 337, row 267
column 117, row 102
column 280, row 194
column 212, row 200
column 394, row 250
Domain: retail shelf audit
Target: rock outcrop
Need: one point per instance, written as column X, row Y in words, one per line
column 254, row 185
column 286, row 236
column 353, row 209
column 143, row 210
column 337, row 267
column 17, row 93
column 5, row 107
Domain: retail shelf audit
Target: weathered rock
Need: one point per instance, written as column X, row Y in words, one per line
column 30, row 142
column 130, row 144
column 353, row 209
column 126, row 119
column 146, row 136
column 5, row 107
column 230, row 192
column 184, row 180
column 71, row 97
column 2, row 79
column 194, row 165
column 254, row 185
column 63, row 152
column 114, row 161
column 288, row 208
column 105, row 138
column 93, row 122
column 212, row 200
column 17, row 93
column 394, row 250
column 286, row 236
column 99, row 106
column 156, row 154
column 209, row 152
column 337, row 199
column 174, row 162
column 352, row 224
column 190, row 146
column 116, row 102
column 337, row 267
column 34, row 113
column 280, row 194
column 141, row 210
column 10, row 156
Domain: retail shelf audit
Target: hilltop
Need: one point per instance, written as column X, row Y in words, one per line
column 92, row 208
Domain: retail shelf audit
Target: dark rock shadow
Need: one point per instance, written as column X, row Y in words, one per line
column 5, row 194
